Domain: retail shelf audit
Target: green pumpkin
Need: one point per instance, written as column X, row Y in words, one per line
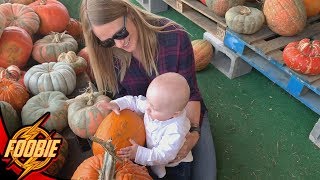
column 50, row 101
column 86, row 112
column 220, row 7
column 10, row 117
column 245, row 20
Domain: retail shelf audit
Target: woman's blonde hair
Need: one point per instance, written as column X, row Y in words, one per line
column 102, row 60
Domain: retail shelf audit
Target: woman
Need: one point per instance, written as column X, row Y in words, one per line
column 128, row 47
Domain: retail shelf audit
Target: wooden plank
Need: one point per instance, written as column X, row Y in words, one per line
column 198, row 6
column 263, row 33
column 277, row 55
column 282, row 41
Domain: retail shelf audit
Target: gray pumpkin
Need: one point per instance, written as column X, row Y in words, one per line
column 50, row 101
column 10, row 117
column 52, row 76
column 245, row 20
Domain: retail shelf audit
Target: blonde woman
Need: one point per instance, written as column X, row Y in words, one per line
column 128, row 48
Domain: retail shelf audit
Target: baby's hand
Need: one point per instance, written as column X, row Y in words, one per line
column 129, row 152
column 105, row 105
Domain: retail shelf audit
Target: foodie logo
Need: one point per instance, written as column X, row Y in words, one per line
column 32, row 147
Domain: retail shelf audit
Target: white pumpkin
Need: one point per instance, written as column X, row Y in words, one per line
column 52, row 76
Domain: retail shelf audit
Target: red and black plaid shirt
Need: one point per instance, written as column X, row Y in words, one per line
column 175, row 55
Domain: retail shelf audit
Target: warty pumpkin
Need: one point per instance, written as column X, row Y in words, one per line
column 86, row 112
column 120, row 128
column 50, row 101
column 10, row 117
column 13, row 93
column 203, row 52
column 21, row 16
column 245, row 20
column 51, row 46
column 220, row 7
column 15, row 47
column 303, row 56
column 53, row 76
column 312, row 7
column 285, row 17
column 78, row 63
column 14, row 73
column 105, row 167
column 54, row 16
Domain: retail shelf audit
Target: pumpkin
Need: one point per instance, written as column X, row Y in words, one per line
column 83, row 53
column 3, row 22
column 203, row 2
column 51, row 46
column 14, row 73
column 2, row 1
column 120, row 128
column 25, row 2
column 78, row 63
column 56, row 164
column 74, row 28
column 220, row 7
column 104, row 166
column 15, row 47
column 13, row 93
column 50, row 101
column 54, row 16
column 21, row 16
column 203, row 52
column 245, row 20
column 10, row 118
column 285, row 17
column 86, row 112
column 50, row 77
column 303, row 56
column 312, row 7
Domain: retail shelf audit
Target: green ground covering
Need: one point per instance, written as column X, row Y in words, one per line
column 259, row 130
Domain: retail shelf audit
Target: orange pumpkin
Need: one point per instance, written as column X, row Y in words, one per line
column 13, row 93
column 54, row 16
column 203, row 52
column 312, row 7
column 120, row 128
column 285, row 17
column 21, row 16
column 91, row 169
column 15, row 47
column 74, row 28
column 83, row 53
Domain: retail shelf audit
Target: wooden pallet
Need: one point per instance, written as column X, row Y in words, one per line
column 200, row 15
column 263, row 51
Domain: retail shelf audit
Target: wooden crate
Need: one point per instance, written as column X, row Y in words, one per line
column 200, row 15
column 263, row 51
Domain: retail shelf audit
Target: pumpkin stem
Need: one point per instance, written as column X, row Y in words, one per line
column 56, row 37
column 90, row 94
column 245, row 10
column 43, row 2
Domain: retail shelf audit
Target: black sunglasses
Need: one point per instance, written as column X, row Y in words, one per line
column 121, row 34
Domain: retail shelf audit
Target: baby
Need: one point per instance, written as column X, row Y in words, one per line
column 166, row 126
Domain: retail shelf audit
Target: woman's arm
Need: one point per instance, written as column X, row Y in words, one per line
column 193, row 113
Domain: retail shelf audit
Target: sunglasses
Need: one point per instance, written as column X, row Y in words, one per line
column 121, row 34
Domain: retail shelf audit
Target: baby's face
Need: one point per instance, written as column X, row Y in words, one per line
column 157, row 108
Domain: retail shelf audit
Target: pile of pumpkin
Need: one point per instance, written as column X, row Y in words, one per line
column 284, row 17
column 42, row 70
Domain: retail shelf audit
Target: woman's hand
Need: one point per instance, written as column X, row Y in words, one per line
column 191, row 140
